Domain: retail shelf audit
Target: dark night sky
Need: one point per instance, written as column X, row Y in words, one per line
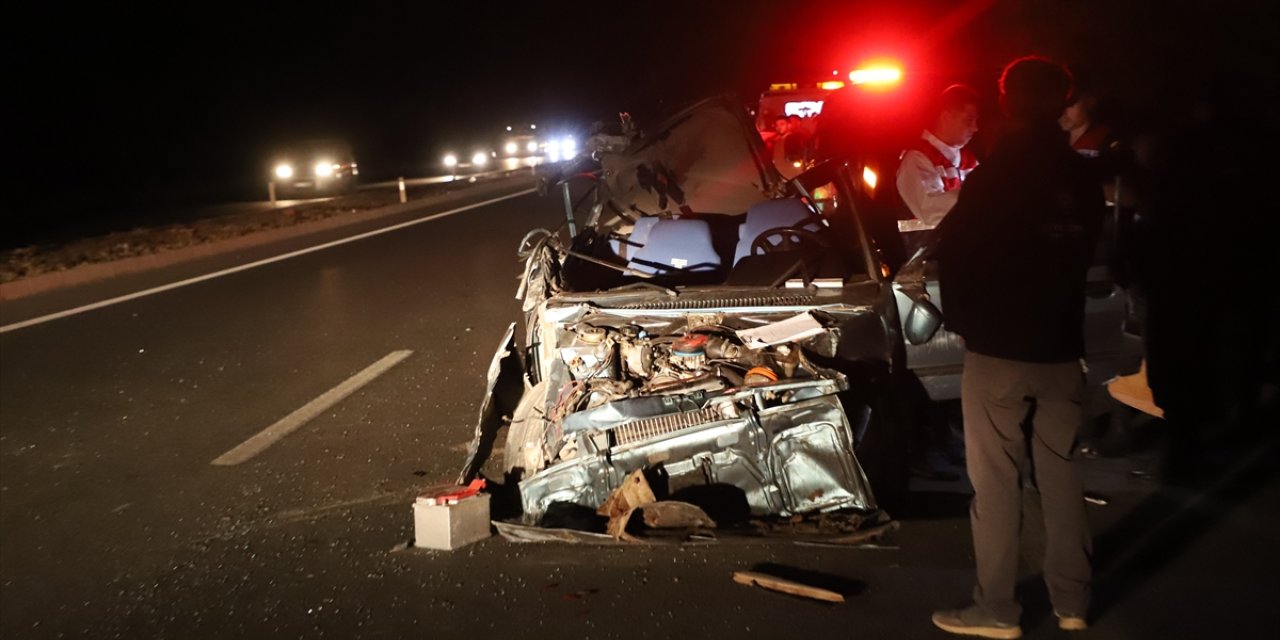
column 114, row 108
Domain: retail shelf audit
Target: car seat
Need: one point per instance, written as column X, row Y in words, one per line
column 678, row 244
column 639, row 236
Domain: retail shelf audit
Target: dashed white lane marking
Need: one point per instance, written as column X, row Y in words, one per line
column 226, row 272
column 290, row 423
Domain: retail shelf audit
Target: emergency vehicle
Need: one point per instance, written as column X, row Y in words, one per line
column 808, row 101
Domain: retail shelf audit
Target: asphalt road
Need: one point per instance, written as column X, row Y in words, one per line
column 114, row 522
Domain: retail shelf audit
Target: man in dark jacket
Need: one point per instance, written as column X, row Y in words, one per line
column 1013, row 256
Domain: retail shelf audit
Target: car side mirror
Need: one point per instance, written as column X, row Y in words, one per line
column 922, row 322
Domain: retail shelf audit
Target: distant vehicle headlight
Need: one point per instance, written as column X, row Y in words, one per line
column 553, row 146
column 450, row 160
column 568, row 145
column 511, row 148
column 479, row 158
column 532, row 147
column 284, row 171
column 324, row 169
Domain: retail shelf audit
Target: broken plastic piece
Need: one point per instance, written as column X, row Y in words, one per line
column 672, row 514
column 795, row 328
column 631, row 495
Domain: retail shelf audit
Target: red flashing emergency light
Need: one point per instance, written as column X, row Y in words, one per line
column 882, row 76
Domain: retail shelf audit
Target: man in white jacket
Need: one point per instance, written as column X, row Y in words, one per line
column 934, row 166
column 929, row 177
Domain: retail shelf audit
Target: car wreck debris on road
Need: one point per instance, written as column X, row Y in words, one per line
column 753, row 579
column 693, row 353
column 633, row 494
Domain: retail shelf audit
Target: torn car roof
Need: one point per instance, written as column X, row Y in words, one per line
column 705, row 159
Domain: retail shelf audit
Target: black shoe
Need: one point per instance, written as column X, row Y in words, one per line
column 973, row 621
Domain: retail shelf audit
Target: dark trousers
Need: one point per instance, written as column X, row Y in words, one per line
column 1020, row 414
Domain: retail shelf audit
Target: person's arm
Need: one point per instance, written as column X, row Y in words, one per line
column 920, row 185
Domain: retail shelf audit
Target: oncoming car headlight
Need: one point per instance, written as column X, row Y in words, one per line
column 450, row 160
column 284, row 171
column 568, row 145
column 553, row 146
column 324, row 169
column 511, row 148
column 531, row 147
column 479, row 158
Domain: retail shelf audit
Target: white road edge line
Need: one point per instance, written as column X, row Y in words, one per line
column 225, row 272
column 290, row 423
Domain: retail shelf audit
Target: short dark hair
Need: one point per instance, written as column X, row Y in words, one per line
column 794, row 117
column 1035, row 88
column 956, row 97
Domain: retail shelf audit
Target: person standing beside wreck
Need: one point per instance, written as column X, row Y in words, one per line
column 1026, row 221
column 936, row 164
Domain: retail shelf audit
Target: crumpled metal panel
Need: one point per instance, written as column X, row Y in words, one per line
column 813, row 466
column 813, row 458
column 505, row 383
column 582, row 481
column 788, row 459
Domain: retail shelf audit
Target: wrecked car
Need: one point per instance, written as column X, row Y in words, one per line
column 704, row 321
column 740, row 338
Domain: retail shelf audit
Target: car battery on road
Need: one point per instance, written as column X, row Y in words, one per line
column 452, row 518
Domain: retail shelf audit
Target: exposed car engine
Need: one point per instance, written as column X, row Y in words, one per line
column 612, row 363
